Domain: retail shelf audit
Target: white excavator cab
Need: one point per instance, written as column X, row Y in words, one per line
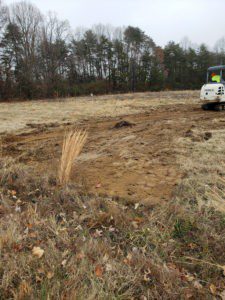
column 212, row 93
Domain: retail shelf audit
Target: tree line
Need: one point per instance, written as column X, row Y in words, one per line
column 41, row 57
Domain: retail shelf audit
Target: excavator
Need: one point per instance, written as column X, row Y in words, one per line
column 212, row 93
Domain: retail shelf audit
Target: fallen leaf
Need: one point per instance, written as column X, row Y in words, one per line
column 65, row 253
column 173, row 267
column 171, row 241
column 189, row 277
column 136, row 205
column 108, row 267
column 106, row 257
column 38, row 278
column 128, row 259
column 192, row 246
column 97, row 233
column 80, row 255
column 197, row 285
column 138, row 220
column 212, row 289
column 2, row 209
column 222, row 295
column 17, row 247
column 26, row 231
column 111, row 229
column 13, row 192
column 223, row 267
column 37, row 251
column 18, row 209
column 129, row 256
column 63, row 263
column 32, row 235
column 135, row 249
column 41, row 271
column 183, row 277
column 50, row 275
column 24, row 290
column 79, row 227
column 98, row 271
column 188, row 295
column 147, row 275
column 135, row 224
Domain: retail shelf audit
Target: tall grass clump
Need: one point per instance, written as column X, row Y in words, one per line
column 72, row 146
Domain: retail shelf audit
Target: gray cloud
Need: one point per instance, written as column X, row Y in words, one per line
column 164, row 20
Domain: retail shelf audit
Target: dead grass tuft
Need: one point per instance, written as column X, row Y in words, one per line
column 72, row 146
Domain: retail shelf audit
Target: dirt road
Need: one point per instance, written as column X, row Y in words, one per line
column 136, row 162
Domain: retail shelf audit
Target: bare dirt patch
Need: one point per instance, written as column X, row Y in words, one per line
column 138, row 162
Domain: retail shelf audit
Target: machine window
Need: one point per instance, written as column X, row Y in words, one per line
column 214, row 77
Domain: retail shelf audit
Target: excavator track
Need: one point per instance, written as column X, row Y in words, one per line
column 214, row 106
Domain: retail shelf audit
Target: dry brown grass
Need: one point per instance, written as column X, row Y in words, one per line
column 15, row 116
column 203, row 163
column 72, row 146
column 99, row 248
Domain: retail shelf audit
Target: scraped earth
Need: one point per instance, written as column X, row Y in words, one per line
column 135, row 161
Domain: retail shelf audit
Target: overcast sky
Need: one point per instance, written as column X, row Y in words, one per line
column 203, row 21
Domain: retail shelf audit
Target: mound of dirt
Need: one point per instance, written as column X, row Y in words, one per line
column 123, row 123
column 207, row 136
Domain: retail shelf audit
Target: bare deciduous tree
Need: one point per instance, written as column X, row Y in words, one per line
column 39, row 57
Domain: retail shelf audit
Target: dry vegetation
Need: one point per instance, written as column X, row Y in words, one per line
column 102, row 247
column 21, row 115
column 203, row 164
column 72, row 145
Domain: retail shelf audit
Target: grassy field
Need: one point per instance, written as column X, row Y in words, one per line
column 143, row 215
column 16, row 116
